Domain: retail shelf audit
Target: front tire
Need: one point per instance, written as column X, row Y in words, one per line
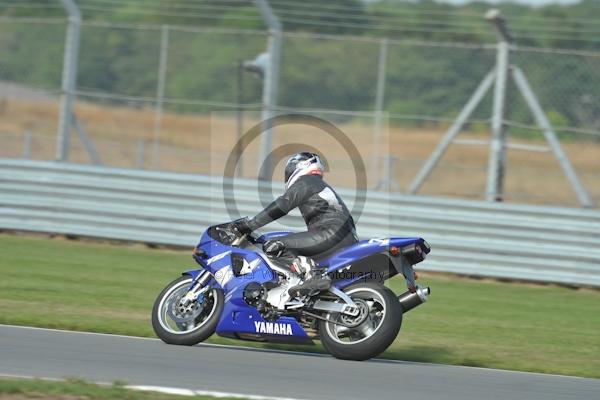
column 188, row 326
column 375, row 328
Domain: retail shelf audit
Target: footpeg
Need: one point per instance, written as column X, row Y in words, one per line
column 311, row 287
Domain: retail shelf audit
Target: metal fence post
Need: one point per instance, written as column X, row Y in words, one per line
column 452, row 132
column 69, row 80
column 239, row 116
column 544, row 124
column 379, row 100
column 160, row 93
column 270, row 83
column 497, row 159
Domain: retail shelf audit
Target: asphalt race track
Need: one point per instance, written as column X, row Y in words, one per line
column 105, row 358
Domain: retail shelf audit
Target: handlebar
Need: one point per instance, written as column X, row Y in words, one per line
column 234, row 236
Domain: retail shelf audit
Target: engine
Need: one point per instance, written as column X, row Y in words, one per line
column 255, row 295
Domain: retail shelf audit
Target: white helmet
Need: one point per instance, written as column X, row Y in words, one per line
column 301, row 164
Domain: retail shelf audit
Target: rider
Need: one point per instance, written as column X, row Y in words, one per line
column 330, row 225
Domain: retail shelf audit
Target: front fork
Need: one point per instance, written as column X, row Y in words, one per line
column 197, row 288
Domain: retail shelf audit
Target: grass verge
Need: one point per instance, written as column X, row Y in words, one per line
column 76, row 389
column 97, row 287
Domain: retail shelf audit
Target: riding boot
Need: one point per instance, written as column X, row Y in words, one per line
column 315, row 279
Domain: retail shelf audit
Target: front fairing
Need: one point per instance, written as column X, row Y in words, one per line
column 218, row 260
column 233, row 268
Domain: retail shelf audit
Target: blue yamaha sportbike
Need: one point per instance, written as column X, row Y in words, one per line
column 241, row 293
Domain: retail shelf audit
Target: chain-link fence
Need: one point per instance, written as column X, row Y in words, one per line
column 152, row 97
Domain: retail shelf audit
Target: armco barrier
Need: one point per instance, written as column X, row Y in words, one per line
column 535, row 243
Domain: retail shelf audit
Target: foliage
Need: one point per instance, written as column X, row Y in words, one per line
column 327, row 73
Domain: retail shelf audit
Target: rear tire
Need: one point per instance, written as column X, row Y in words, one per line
column 204, row 324
column 371, row 337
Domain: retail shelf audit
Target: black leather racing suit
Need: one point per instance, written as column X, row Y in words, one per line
column 330, row 225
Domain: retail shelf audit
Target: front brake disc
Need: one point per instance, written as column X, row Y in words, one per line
column 190, row 314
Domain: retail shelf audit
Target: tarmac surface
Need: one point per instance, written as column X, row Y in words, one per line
column 45, row 353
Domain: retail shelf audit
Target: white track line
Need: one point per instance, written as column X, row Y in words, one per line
column 227, row 346
column 187, row 392
column 165, row 389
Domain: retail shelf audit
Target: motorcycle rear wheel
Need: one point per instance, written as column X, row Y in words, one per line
column 369, row 334
column 196, row 324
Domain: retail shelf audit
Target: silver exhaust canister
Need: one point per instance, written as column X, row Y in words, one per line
column 410, row 300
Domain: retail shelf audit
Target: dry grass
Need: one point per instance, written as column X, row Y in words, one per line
column 198, row 143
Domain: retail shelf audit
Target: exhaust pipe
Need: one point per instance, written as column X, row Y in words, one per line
column 410, row 300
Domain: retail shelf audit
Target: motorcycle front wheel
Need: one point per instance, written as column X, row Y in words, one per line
column 186, row 325
column 368, row 334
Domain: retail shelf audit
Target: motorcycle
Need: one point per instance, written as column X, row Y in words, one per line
column 239, row 292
